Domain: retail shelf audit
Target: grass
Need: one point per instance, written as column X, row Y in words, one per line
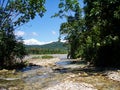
column 36, row 57
column 42, row 57
column 47, row 57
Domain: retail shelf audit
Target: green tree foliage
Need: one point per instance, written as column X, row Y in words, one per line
column 45, row 51
column 20, row 11
column 97, row 38
column 52, row 48
column 73, row 28
column 14, row 13
column 11, row 48
column 103, row 25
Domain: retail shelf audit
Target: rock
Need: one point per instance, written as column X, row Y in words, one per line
column 118, row 70
column 13, row 88
column 3, row 71
column 13, row 71
column 72, row 76
column 9, row 79
column 72, row 86
column 114, row 76
column 79, row 74
column 2, row 88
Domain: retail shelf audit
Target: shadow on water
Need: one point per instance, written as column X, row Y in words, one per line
column 30, row 67
column 65, row 66
column 70, row 61
column 89, row 70
column 73, row 66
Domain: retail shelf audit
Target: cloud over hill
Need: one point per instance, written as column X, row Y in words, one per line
column 34, row 42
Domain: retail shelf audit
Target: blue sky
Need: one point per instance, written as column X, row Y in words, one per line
column 43, row 30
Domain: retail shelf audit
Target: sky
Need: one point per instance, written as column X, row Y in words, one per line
column 42, row 30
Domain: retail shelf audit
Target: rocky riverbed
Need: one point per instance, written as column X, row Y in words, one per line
column 59, row 73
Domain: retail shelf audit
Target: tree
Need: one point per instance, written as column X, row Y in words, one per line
column 73, row 28
column 99, row 41
column 102, row 22
column 14, row 13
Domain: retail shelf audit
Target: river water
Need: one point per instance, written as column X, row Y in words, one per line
column 40, row 78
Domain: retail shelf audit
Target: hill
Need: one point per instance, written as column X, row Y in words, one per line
column 51, row 48
column 53, row 45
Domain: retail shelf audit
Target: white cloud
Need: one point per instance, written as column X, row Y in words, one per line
column 20, row 33
column 34, row 34
column 63, row 41
column 54, row 33
column 35, row 42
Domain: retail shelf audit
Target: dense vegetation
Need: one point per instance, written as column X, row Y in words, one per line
column 103, row 24
column 96, row 36
column 52, row 48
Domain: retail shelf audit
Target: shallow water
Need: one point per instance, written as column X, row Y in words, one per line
column 40, row 78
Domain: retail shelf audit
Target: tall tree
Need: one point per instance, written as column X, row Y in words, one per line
column 14, row 13
column 73, row 28
column 102, row 22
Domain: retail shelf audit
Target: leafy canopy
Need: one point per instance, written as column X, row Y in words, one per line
column 20, row 11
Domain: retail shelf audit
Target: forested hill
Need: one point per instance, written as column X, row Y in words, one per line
column 51, row 48
column 53, row 45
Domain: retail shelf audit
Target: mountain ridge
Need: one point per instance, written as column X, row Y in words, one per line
column 53, row 45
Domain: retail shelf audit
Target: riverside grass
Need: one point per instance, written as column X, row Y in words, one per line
column 47, row 57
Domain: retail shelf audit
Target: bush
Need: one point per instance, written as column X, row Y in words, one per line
column 12, row 49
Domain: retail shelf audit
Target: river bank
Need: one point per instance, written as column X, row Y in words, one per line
column 59, row 73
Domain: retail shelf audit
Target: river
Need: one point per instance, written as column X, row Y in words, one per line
column 64, row 74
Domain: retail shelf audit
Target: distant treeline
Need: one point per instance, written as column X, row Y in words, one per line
column 51, row 48
column 45, row 51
